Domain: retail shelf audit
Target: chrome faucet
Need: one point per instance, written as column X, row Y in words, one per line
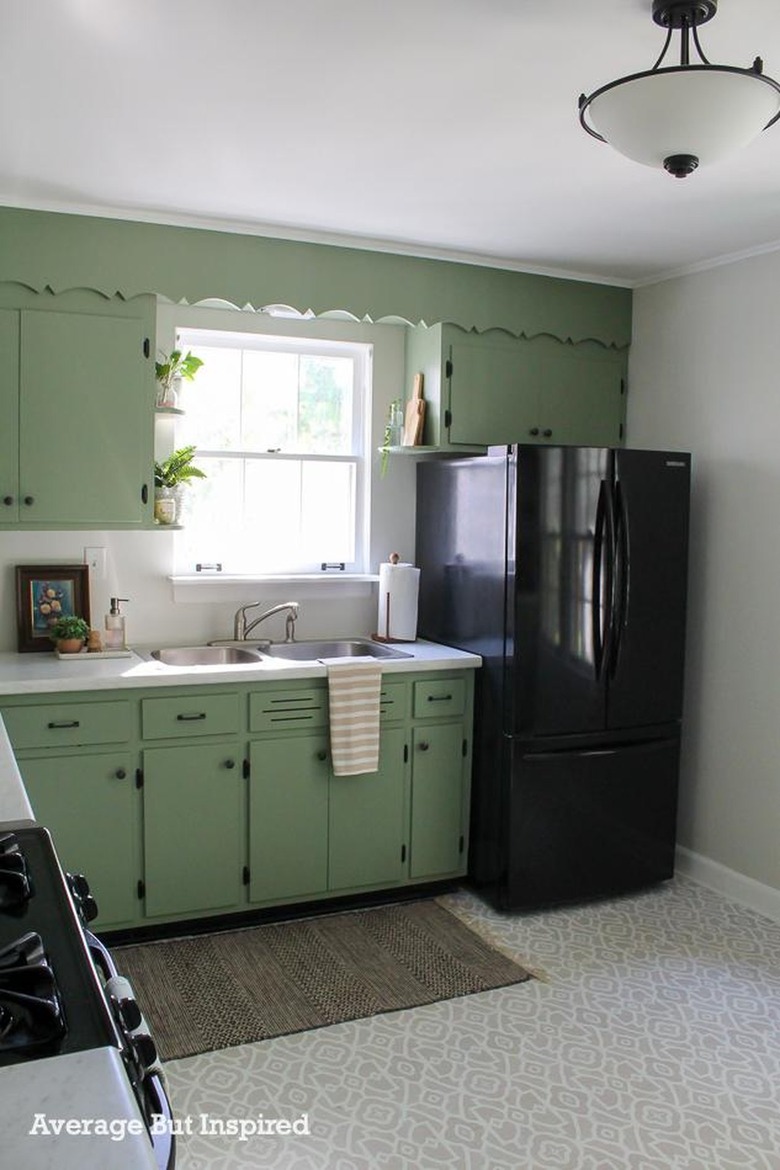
column 241, row 629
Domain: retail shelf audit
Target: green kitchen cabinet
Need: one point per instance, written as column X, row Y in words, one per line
column 91, row 806
column 367, row 833
column 9, row 415
column 438, row 838
column 77, row 394
column 491, row 388
column 288, row 817
column 193, row 815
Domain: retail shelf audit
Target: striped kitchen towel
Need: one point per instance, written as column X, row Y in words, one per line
column 353, row 697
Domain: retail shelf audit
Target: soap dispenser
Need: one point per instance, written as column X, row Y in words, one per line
column 115, row 626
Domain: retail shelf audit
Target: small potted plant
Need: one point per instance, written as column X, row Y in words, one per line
column 69, row 634
column 170, row 371
column 170, row 476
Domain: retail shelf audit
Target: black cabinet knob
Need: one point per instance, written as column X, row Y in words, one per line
column 29, row 500
column 322, row 755
column 547, row 432
column 8, row 501
column 424, row 746
column 120, row 774
column 230, row 764
column 534, row 431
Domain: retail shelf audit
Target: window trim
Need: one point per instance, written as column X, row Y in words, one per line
column 361, row 353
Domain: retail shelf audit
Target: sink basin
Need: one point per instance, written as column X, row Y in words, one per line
column 340, row 648
column 206, row 655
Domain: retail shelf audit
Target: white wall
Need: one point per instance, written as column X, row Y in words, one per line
column 139, row 563
column 705, row 377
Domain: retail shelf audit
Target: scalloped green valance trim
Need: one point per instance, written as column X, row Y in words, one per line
column 126, row 258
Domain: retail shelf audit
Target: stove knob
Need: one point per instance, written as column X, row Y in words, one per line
column 125, row 1004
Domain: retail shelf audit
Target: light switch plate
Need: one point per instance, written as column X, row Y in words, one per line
column 96, row 559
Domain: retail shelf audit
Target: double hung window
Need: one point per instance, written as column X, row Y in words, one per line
column 280, row 428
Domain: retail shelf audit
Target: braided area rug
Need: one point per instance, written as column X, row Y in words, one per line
column 213, row 991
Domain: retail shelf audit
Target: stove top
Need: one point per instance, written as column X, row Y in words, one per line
column 50, row 998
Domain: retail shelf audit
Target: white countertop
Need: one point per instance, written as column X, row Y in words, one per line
column 40, row 673
column 81, row 1085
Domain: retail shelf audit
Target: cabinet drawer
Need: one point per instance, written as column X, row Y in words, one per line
column 186, row 717
column 278, row 710
column 392, row 701
column 437, row 697
column 68, row 724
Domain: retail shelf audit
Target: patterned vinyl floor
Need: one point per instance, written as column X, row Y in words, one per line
column 653, row 1044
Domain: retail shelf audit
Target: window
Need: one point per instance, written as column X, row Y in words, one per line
column 280, row 429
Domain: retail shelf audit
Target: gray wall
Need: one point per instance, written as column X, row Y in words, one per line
column 705, row 377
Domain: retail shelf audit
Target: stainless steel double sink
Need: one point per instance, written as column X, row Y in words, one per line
column 312, row 651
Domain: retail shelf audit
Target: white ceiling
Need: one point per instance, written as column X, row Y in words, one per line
column 440, row 127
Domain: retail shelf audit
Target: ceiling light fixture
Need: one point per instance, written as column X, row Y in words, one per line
column 681, row 116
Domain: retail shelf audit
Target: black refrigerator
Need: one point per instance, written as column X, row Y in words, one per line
column 566, row 569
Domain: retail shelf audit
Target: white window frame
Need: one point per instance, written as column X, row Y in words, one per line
column 361, row 353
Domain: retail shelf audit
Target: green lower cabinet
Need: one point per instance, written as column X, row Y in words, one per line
column 288, row 817
column 91, row 805
column 368, row 842
column 193, row 800
column 437, row 844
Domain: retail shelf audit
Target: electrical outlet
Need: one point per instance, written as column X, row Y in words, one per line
column 96, row 559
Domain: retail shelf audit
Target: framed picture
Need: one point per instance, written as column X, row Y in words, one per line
column 45, row 593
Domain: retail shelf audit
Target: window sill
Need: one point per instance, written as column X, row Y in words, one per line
column 238, row 587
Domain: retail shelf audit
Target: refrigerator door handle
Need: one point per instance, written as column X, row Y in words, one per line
column 601, row 583
column 620, row 592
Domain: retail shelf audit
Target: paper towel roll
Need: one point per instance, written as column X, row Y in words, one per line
column 398, row 588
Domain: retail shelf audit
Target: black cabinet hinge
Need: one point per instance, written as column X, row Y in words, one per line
column 147, row 347
column 448, row 419
column 621, row 431
column 245, row 875
column 141, row 888
column 461, row 844
column 464, row 748
column 139, row 777
column 246, row 769
column 144, row 493
column 403, row 853
column 406, row 753
column 622, row 385
column 448, row 368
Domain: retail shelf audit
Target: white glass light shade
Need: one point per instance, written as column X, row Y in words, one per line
column 706, row 111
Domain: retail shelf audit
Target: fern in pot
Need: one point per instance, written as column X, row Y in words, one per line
column 170, row 477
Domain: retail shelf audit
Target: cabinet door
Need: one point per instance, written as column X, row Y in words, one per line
column 193, row 828
column 491, row 400
column 288, row 818
column 437, row 846
column 91, row 805
column 85, row 419
column 580, row 393
column 366, row 819
column 9, row 415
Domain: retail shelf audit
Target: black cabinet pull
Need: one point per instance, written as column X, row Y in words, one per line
column 29, row 500
column 230, row 764
column 534, row 431
column 184, row 718
column 63, row 723
column 424, row 746
column 120, row 774
column 439, row 698
column 8, row 500
column 547, row 433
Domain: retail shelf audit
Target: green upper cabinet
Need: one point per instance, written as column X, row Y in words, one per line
column 77, row 406
column 9, row 415
column 492, row 388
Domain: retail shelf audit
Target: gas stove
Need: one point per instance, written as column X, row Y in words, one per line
column 65, row 1011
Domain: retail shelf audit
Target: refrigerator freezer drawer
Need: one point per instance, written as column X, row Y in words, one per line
column 589, row 823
